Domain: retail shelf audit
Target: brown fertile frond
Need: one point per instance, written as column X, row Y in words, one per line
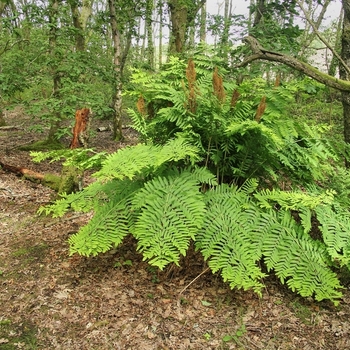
column 218, row 86
column 191, row 104
column 191, row 73
column 141, row 105
column 234, row 98
column 261, row 109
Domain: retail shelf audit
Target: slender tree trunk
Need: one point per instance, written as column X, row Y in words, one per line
column 203, row 24
column 309, row 37
column 53, row 21
column 343, row 73
column 259, row 14
column 150, row 45
column 335, row 62
column 119, row 58
column 160, row 4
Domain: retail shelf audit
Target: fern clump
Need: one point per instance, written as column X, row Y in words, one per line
column 208, row 171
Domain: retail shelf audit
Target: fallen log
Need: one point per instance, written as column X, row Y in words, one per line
column 49, row 180
column 9, row 127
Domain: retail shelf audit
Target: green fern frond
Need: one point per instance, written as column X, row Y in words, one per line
column 81, row 158
column 108, row 227
column 335, row 228
column 291, row 200
column 171, row 213
column 138, row 122
column 140, row 159
column 296, row 257
column 251, row 125
column 225, row 242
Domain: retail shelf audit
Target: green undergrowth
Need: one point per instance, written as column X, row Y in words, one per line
column 224, row 167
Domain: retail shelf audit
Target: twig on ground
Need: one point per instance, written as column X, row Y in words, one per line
column 195, row 279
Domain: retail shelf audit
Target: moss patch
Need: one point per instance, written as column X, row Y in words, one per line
column 45, row 145
column 17, row 336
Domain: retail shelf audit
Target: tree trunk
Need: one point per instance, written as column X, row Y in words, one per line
column 150, row 45
column 203, row 24
column 343, row 72
column 337, row 46
column 259, row 12
column 119, row 58
column 160, row 56
column 178, row 19
column 53, row 23
column 80, row 18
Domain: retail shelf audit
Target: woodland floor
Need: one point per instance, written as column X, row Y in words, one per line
column 49, row 300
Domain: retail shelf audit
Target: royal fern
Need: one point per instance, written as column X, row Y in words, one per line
column 174, row 189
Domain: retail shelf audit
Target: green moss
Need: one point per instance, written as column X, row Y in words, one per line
column 36, row 251
column 13, row 334
column 70, row 177
column 44, row 145
column 52, row 181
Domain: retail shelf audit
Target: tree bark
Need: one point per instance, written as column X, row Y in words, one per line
column 53, row 24
column 119, row 58
column 80, row 18
column 178, row 19
column 344, row 73
column 203, row 23
column 160, row 43
column 259, row 53
column 150, row 45
column 182, row 14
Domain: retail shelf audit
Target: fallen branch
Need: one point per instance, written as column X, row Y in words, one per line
column 30, row 174
column 9, row 127
column 260, row 53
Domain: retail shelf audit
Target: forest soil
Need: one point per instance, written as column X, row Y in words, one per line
column 50, row 300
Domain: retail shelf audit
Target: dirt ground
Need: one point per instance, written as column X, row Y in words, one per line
column 49, row 300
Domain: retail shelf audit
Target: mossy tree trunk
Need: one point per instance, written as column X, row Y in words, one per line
column 120, row 53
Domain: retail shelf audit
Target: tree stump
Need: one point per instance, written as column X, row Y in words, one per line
column 81, row 128
column 71, row 176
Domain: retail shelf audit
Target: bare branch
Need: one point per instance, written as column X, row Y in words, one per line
column 322, row 38
column 259, row 53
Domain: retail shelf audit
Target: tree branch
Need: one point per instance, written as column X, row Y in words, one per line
column 321, row 37
column 259, row 53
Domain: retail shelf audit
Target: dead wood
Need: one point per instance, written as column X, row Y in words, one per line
column 29, row 174
column 9, row 127
column 260, row 53
column 70, row 178
column 81, row 128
